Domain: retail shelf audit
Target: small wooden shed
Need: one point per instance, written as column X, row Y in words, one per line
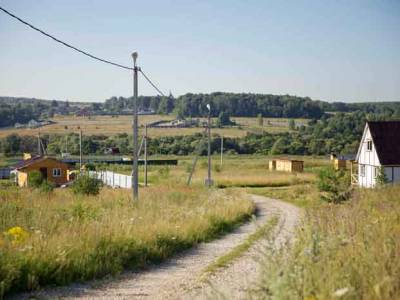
column 289, row 165
column 339, row 164
column 52, row 170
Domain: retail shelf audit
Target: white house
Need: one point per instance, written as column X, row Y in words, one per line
column 379, row 148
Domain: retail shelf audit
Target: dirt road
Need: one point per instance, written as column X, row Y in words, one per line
column 178, row 278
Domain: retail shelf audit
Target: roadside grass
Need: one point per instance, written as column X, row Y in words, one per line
column 240, row 249
column 302, row 195
column 58, row 238
column 346, row 251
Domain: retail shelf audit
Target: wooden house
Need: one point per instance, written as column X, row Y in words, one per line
column 52, row 170
column 379, row 151
column 288, row 165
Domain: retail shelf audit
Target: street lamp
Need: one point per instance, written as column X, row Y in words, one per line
column 209, row 181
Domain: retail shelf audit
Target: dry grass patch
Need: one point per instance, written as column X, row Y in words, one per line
column 347, row 251
column 67, row 238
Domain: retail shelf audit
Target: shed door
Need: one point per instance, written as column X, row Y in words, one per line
column 44, row 173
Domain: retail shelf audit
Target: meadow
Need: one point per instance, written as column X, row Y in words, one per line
column 58, row 237
column 346, row 251
column 112, row 125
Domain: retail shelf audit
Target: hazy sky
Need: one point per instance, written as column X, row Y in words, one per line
column 328, row 50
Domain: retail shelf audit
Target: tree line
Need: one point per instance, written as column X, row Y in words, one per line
column 339, row 133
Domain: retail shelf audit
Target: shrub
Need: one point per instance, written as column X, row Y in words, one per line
column 217, row 168
column 87, row 185
column 47, row 187
column 164, row 172
column 381, row 178
column 35, row 179
column 333, row 185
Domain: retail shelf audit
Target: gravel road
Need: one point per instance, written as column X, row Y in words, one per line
column 178, row 277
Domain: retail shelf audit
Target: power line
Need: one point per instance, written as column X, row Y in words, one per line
column 79, row 50
column 152, row 84
column 64, row 43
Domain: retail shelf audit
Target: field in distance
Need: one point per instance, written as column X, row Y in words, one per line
column 110, row 125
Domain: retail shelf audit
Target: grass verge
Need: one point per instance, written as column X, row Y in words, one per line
column 346, row 251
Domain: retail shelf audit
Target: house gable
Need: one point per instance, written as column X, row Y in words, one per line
column 367, row 151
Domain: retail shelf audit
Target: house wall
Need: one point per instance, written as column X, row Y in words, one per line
column 284, row 165
column 368, row 159
column 50, row 164
column 392, row 174
column 289, row 165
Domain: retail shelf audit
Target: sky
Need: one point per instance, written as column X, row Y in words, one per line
column 329, row 50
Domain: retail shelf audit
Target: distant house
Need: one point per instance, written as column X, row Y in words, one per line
column 379, row 150
column 112, row 150
column 286, row 165
column 33, row 124
column 52, row 170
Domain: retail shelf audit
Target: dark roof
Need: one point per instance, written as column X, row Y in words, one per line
column 33, row 160
column 386, row 138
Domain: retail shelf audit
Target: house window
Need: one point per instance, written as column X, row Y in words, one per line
column 362, row 170
column 369, row 145
column 376, row 172
column 57, row 172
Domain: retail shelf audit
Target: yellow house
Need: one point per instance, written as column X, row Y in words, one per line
column 52, row 170
column 287, row 165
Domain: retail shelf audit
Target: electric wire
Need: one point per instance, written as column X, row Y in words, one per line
column 152, row 84
column 79, row 50
column 64, row 43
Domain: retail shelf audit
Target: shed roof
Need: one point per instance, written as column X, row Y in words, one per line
column 386, row 138
column 34, row 160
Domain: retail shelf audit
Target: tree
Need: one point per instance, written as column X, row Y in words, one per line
column 381, row 178
column 223, row 119
column 292, row 124
column 11, row 144
column 260, row 120
column 333, row 185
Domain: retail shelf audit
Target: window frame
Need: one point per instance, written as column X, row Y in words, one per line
column 362, row 170
column 369, row 143
column 376, row 171
column 57, row 172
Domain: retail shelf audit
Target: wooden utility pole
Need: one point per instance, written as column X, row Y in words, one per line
column 39, row 145
column 145, row 155
column 209, row 180
column 222, row 148
column 135, row 171
column 80, row 150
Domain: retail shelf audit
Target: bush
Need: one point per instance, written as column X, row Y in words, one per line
column 35, row 179
column 87, row 185
column 164, row 172
column 47, row 187
column 334, row 185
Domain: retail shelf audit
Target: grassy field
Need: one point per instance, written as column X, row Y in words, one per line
column 236, row 171
column 108, row 125
column 59, row 237
column 347, row 251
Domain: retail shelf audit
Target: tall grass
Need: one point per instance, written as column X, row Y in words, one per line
column 69, row 238
column 347, row 251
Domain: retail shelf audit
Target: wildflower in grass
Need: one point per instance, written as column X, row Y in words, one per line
column 16, row 234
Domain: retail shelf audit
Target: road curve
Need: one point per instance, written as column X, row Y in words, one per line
column 178, row 277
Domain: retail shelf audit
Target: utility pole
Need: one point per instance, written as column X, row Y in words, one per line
column 145, row 155
column 209, row 180
column 39, row 146
column 135, row 171
column 222, row 147
column 80, row 150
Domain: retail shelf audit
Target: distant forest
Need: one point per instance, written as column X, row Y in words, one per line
column 21, row 110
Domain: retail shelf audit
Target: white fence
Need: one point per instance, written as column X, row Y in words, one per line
column 113, row 179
